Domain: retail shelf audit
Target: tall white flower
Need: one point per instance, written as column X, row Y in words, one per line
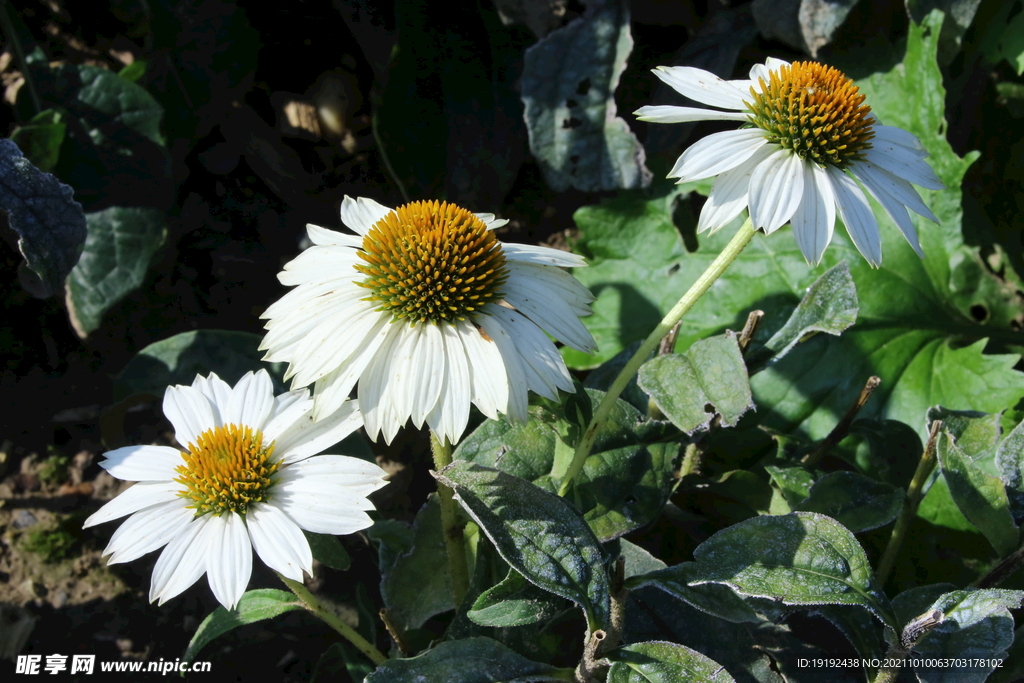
column 428, row 312
column 810, row 139
column 247, row 480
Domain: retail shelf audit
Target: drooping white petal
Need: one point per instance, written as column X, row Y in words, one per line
column 332, row 390
column 305, row 437
column 545, row 256
column 230, row 563
column 815, row 218
column 322, row 237
column 703, row 86
column 517, row 387
column 728, row 195
column 543, row 365
column 672, row 114
column 361, row 213
column 335, row 339
column 279, row 542
column 856, row 214
column 550, row 313
column 182, row 562
column 487, row 375
column 189, row 412
column 874, row 180
column 216, row 391
column 556, row 281
column 316, row 264
column 717, row 153
column 374, row 382
column 450, row 414
column 776, row 188
column 893, row 136
column 135, row 498
column 327, row 494
column 143, row 463
column 147, row 530
column 900, row 189
column 315, row 319
column 904, row 164
column 252, row 400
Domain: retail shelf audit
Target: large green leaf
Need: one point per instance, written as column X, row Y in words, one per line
column 120, row 243
column 803, row 558
column 253, row 606
column 715, row 599
column 915, row 328
column 659, row 662
column 855, row 501
column 538, row 533
column 470, row 660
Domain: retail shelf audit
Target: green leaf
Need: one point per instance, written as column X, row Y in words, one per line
column 859, row 627
column 980, row 496
column 659, row 662
column 514, row 602
column 538, row 533
column 178, row 359
column 975, row 433
column 568, row 85
column 638, row 560
column 889, row 450
column 1012, row 670
column 134, row 71
column 1010, row 461
column 714, row 599
column 470, row 660
column 1011, row 45
column 328, row 550
column 120, row 243
column 711, row 372
column 793, row 482
column 853, row 500
column 602, row 376
column 253, row 606
column 40, row 139
column 803, row 558
column 42, row 210
column 977, row 624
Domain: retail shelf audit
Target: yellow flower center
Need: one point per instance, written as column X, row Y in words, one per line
column 432, row 262
column 814, row 110
column 228, row 469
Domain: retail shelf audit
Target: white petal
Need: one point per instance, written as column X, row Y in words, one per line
column 148, row 530
column 856, row 214
column 703, row 86
column 891, row 135
column 332, row 390
column 306, row 294
column 288, row 408
column 216, row 391
column 717, row 153
column 763, row 70
column 290, row 334
column 776, row 188
column 728, row 195
column 279, row 541
column 327, row 494
column 251, row 402
column 323, row 237
column 190, row 413
column 450, row 414
column 545, row 256
column 373, row 384
column 517, row 387
column 427, row 367
column 143, row 463
column 671, row 114
column 549, row 312
column 490, row 221
column 339, row 337
column 361, row 213
column 557, row 281
column 135, row 498
column 306, row 437
column 542, row 364
column 875, row 180
column 903, row 164
column 487, row 375
column 317, row 264
column 899, row 189
column 230, row 564
column 182, row 562
column 815, row 218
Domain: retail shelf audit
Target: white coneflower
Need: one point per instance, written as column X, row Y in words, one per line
column 246, row 480
column 810, row 136
column 428, row 311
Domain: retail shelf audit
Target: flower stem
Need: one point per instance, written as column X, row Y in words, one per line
column 332, row 619
column 703, row 283
column 454, row 540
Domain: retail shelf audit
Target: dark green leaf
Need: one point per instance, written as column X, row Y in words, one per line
column 638, row 560
column 601, row 378
column 711, row 372
column 659, row 662
column 568, row 87
column 328, row 550
column 120, row 243
column 1012, row 670
column 338, row 658
column 801, row 559
column 977, row 434
column 514, row 602
column 49, row 222
column 253, row 606
column 714, row 599
column 855, row 501
column 539, row 534
column 889, row 450
column 793, row 482
column 1010, row 461
column 470, row 660
column 134, row 71
column 40, row 139
column 859, row 627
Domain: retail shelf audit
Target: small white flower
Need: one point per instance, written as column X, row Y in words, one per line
column 428, row 312
column 247, row 480
column 810, row 137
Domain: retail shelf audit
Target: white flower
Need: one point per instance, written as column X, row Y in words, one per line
column 428, row 312
column 246, row 481
column 810, row 137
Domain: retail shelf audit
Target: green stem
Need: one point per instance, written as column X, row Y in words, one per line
column 454, row 539
column 703, row 283
column 332, row 619
column 910, row 504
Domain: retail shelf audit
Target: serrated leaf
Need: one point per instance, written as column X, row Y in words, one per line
column 470, row 660
column 40, row 139
column 568, row 85
column 538, row 533
column 514, row 602
column 802, row 558
column 328, row 550
column 711, row 372
column 49, row 222
column 855, row 501
column 253, row 606
column 714, row 599
column 660, row 662
column 120, row 243
column 1010, row 461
